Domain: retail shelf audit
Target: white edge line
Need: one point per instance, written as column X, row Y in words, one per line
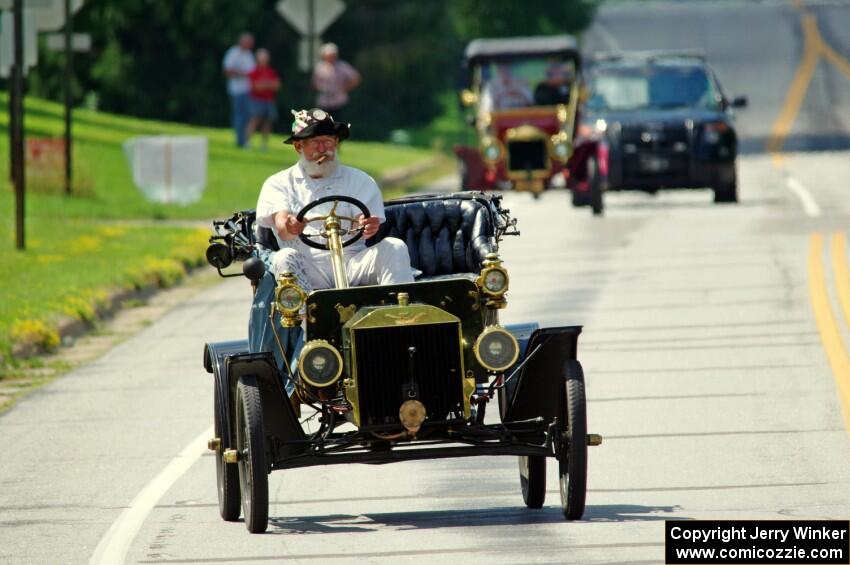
column 810, row 207
column 114, row 545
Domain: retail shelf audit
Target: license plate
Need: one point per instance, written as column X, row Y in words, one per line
column 654, row 164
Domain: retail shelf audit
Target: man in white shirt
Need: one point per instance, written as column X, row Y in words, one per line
column 237, row 64
column 316, row 136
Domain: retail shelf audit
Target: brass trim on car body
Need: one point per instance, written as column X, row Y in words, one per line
column 289, row 317
column 487, row 141
column 492, row 329
column 492, row 262
column 527, row 132
column 319, row 344
column 393, row 316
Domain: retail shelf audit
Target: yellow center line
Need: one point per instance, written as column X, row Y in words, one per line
column 839, row 360
column 838, row 248
column 798, row 88
column 840, row 62
column 814, row 47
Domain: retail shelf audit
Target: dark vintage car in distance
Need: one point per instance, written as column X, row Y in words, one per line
column 665, row 121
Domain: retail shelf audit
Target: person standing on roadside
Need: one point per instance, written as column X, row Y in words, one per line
column 264, row 86
column 333, row 79
column 237, row 64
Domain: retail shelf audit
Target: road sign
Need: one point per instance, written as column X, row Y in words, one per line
column 307, row 52
column 49, row 14
column 297, row 13
column 79, row 42
column 7, row 50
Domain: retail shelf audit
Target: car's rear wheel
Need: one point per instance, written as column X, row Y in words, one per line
column 251, row 444
column 572, row 448
column 227, row 476
column 594, row 187
column 532, row 479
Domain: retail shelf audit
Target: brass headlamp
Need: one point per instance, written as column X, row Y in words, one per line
column 289, row 298
column 493, row 281
column 492, row 150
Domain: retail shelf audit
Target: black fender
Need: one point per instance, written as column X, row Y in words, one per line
column 279, row 419
column 531, row 393
column 215, row 356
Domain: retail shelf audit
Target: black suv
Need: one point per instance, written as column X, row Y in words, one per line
column 666, row 122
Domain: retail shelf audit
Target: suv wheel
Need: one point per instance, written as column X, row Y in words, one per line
column 726, row 190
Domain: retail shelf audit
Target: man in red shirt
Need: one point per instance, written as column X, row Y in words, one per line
column 264, row 86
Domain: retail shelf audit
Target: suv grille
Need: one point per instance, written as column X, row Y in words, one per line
column 383, row 365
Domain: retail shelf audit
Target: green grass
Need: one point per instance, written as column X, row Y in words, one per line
column 70, row 266
column 107, row 236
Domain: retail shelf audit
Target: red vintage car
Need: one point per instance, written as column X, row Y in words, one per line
column 522, row 97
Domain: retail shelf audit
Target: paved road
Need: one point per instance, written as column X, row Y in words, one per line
column 704, row 348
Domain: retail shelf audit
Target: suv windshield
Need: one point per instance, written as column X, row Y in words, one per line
column 655, row 87
column 519, row 83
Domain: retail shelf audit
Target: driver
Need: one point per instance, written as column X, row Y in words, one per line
column 318, row 173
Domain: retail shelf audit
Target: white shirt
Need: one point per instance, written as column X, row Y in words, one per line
column 241, row 60
column 291, row 190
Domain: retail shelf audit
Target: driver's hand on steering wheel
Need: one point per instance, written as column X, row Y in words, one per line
column 293, row 226
column 370, row 225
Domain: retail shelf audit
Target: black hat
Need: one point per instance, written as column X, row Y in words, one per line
column 316, row 122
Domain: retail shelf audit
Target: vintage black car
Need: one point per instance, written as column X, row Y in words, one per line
column 665, row 121
column 396, row 372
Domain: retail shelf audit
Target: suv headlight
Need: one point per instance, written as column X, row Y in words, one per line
column 712, row 131
column 496, row 348
column 320, row 364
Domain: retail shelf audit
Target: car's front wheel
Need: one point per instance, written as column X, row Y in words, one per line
column 532, row 479
column 227, row 475
column 594, row 187
column 572, row 447
column 251, row 444
column 726, row 190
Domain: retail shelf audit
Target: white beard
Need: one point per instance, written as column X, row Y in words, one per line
column 313, row 169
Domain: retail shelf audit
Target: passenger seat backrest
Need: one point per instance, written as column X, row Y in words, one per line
column 443, row 236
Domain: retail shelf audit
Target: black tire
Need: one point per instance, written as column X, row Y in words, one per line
column 594, row 191
column 572, row 451
column 251, row 443
column 578, row 199
column 726, row 191
column 227, row 476
column 532, row 480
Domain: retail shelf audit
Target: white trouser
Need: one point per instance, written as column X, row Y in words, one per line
column 386, row 262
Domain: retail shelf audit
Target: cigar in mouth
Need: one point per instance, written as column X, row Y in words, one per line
column 322, row 159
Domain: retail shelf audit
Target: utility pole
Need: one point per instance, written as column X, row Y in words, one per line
column 69, row 69
column 17, row 115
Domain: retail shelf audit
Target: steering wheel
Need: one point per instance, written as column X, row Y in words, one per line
column 310, row 239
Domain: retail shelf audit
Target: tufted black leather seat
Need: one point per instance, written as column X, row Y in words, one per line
column 445, row 234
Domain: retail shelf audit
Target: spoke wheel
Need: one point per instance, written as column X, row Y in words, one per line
column 532, row 479
column 572, row 450
column 250, row 441
column 227, row 476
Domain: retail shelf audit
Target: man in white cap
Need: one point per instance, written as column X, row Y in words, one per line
column 333, row 79
column 316, row 136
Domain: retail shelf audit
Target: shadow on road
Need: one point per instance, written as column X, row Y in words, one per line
column 483, row 517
